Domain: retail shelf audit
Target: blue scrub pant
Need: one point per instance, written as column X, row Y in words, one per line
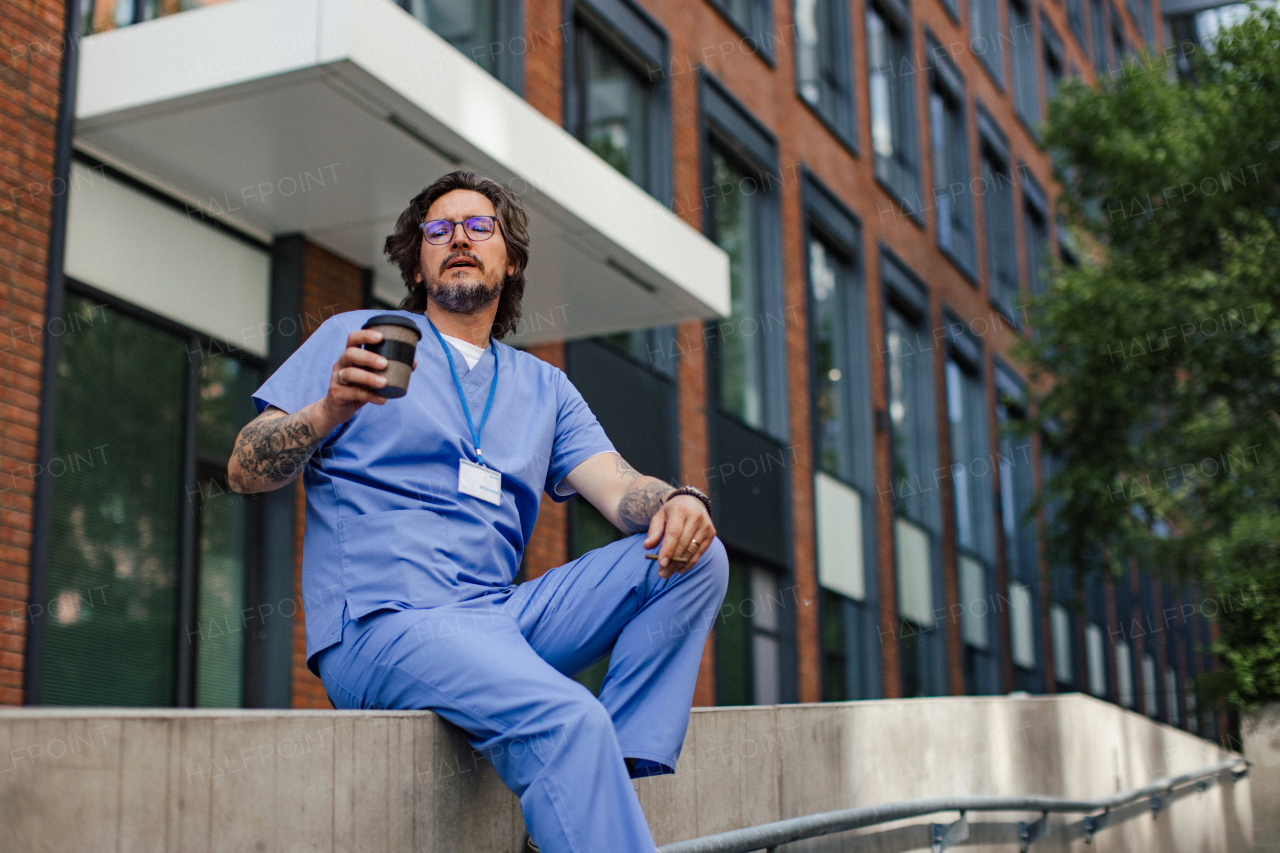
column 499, row 666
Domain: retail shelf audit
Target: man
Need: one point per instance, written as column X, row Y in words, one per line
column 418, row 509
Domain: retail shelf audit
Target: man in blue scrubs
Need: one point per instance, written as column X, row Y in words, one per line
column 418, row 509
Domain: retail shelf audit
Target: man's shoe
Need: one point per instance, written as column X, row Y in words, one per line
column 529, row 845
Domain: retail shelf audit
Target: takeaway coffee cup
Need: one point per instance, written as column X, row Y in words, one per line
column 400, row 338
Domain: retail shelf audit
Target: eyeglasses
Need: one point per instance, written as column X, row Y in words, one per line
column 437, row 232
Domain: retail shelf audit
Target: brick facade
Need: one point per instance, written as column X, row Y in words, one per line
column 30, row 58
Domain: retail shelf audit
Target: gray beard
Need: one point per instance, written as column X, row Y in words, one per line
column 463, row 299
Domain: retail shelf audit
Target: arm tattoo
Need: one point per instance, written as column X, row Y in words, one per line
column 642, row 499
column 275, row 449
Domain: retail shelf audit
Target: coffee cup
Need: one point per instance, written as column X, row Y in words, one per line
column 400, row 337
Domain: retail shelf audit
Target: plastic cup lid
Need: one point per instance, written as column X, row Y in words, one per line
column 392, row 320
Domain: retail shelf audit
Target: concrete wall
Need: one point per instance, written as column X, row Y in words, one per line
column 166, row 780
column 1261, row 733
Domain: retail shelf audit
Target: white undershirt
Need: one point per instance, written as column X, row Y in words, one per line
column 469, row 351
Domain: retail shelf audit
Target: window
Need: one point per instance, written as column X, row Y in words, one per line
column 952, row 198
column 1026, row 95
column 971, row 472
column 890, row 75
column 986, row 36
column 1035, row 231
column 1097, row 660
column 141, row 425
column 1075, row 18
column 1053, row 68
column 1119, row 48
column 1063, row 665
column 479, row 29
column 1097, row 26
column 914, row 489
column 613, row 109
column 753, row 19
column 749, row 637
column 1021, row 627
column 1150, row 689
column 842, row 438
column 823, row 65
column 1172, row 696
column 615, row 103
column 736, row 218
column 997, row 203
column 971, row 482
column 1124, row 673
column 1016, row 496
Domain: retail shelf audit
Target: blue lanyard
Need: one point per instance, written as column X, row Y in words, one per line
column 457, row 383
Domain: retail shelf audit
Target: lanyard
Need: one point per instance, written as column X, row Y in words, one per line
column 457, row 383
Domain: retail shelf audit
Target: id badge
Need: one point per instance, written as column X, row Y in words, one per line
column 480, row 482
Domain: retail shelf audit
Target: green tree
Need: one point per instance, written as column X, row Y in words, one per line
column 1160, row 353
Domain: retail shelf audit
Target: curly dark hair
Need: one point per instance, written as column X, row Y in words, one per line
column 404, row 247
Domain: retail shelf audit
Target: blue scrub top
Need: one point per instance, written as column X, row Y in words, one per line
column 386, row 524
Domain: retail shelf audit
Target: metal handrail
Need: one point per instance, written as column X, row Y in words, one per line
column 769, row 835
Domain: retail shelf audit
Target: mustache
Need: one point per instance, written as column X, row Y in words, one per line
column 462, row 253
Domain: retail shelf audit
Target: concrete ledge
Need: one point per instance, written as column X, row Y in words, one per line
column 193, row 780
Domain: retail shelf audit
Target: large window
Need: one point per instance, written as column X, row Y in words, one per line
column 987, row 36
column 1075, row 19
column 614, row 102
column 1053, row 61
column 915, row 491
column 997, row 203
column 971, row 481
column 749, row 648
column 842, row 445
column 1026, row 95
column 952, row 194
column 1098, row 30
column 1017, row 484
column 893, row 126
column 1035, row 233
column 151, row 555
column 736, row 224
column 823, row 67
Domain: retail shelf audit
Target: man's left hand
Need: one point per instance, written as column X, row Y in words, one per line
column 685, row 530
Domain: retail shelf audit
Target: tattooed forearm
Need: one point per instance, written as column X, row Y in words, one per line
column 641, row 501
column 271, row 450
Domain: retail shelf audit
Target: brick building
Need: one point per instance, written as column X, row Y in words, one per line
column 783, row 249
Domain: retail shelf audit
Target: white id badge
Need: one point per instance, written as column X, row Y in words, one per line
column 480, row 482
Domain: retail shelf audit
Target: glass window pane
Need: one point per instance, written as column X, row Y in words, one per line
column 1002, row 259
column 880, row 68
column 1150, row 690
column 910, row 371
column 1021, row 629
column 1097, row 661
column 1036, row 231
column 220, row 596
column 834, row 662
column 1026, row 99
column 1124, row 673
column 733, row 640
column 984, row 23
column 839, row 523
column 1171, row 696
column 741, row 355
column 765, row 655
column 225, row 404
column 973, row 598
column 837, row 343
column 1063, row 665
column 116, row 515
column 615, row 114
column 468, row 25
column 915, row 574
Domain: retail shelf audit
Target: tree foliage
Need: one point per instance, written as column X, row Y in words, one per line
column 1159, row 354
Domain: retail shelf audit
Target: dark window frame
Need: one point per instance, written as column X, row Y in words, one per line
column 994, row 154
column 992, row 33
column 843, row 124
column 759, row 31
column 898, row 175
column 508, row 25
column 641, row 43
column 1025, row 67
column 728, row 128
column 253, row 662
column 827, row 219
column 1053, row 57
column 1035, row 206
column 946, row 81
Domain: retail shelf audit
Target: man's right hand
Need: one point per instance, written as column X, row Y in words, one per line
column 274, row 447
